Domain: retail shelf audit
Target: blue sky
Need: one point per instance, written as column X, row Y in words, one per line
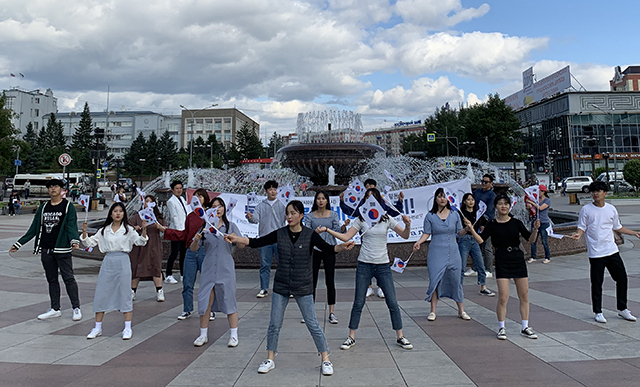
column 273, row 59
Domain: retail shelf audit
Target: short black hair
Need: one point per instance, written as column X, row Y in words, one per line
column 598, row 186
column 488, row 176
column 270, row 184
column 371, row 182
column 501, row 196
column 176, row 182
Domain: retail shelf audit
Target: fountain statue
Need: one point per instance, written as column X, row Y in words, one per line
column 332, row 175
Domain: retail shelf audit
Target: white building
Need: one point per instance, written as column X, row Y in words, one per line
column 30, row 106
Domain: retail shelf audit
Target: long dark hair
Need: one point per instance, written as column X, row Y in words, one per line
column 463, row 209
column 109, row 220
column 156, row 211
column 376, row 194
column 224, row 215
column 434, row 208
column 203, row 192
column 314, row 207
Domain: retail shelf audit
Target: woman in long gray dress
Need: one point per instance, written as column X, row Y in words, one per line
column 322, row 216
column 217, row 290
column 443, row 258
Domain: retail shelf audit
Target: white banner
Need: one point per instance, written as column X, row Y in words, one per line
column 417, row 202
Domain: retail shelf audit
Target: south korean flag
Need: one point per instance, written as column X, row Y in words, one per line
column 148, row 215
column 286, row 194
column 196, row 206
column 352, row 197
column 371, row 211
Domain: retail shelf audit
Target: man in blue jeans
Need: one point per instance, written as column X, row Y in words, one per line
column 270, row 216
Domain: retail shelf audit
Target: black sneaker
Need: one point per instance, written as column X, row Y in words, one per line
column 502, row 334
column 487, row 292
column 348, row 343
column 184, row 316
column 528, row 332
column 404, row 343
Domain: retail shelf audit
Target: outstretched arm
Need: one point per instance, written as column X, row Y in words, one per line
column 406, row 232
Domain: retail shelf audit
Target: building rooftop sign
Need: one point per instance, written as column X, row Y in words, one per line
column 534, row 92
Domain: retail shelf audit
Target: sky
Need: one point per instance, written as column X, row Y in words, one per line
column 389, row 61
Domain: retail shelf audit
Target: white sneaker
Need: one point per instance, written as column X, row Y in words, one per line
column 160, row 295
column 531, row 260
column 626, row 314
column 233, row 342
column 184, row 316
column 489, row 275
column 212, row 316
column 470, row 273
column 200, row 341
column 127, row 333
column 369, row 292
column 262, row 293
column 49, row 314
column 133, row 295
column 77, row 314
column 95, row 332
column 327, row 368
column 266, row 366
column 600, row 318
column 380, row 293
column 170, row 280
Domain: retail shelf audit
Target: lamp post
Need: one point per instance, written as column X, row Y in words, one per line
column 193, row 114
column 515, row 172
column 605, row 156
column 615, row 158
column 468, row 144
column 486, row 139
column 141, row 170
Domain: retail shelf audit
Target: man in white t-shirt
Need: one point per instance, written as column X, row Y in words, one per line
column 597, row 221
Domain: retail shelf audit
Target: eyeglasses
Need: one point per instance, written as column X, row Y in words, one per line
column 486, row 181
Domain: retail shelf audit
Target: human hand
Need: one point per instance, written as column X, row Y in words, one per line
column 84, row 227
column 137, row 228
column 249, row 215
column 75, row 246
column 13, row 249
column 347, row 222
column 416, row 246
column 160, row 227
column 349, row 245
column 197, row 237
column 575, row 236
column 467, row 223
column 406, row 220
column 321, row 229
column 144, row 224
column 536, row 224
column 401, row 196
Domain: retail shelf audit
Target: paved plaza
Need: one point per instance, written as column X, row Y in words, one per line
column 572, row 349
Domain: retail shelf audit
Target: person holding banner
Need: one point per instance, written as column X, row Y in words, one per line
column 443, row 258
column 505, row 231
column 146, row 261
column 55, row 229
column 115, row 238
column 542, row 205
column 322, row 216
column 373, row 261
column 294, row 277
column 467, row 245
column 269, row 215
column 217, row 290
column 193, row 259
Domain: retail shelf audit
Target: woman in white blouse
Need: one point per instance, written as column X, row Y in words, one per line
column 116, row 238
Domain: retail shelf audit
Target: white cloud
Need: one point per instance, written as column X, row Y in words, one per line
column 436, row 14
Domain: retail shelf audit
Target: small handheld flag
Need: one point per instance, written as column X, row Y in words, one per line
column 371, row 211
column 352, row 197
column 399, row 265
column 389, row 176
column 141, row 196
column 212, row 216
column 196, row 206
column 286, row 194
column 453, row 199
column 357, row 185
column 534, row 193
column 232, row 204
column 252, row 201
column 148, row 215
column 514, row 201
column 84, row 201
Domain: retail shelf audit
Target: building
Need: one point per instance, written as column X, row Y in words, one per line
column 121, row 128
column 572, row 133
column 627, row 80
column 30, row 106
column 223, row 123
column 392, row 138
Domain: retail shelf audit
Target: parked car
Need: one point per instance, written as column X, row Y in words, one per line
column 612, row 176
column 578, row 183
column 623, row 186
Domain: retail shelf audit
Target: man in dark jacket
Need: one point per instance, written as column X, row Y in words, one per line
column 56, row 233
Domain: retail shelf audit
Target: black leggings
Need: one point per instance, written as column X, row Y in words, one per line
column 329, row 274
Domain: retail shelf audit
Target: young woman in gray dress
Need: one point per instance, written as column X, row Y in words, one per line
column 443, row 258
column 116, row 238
column 217, row 290
column 322, row 216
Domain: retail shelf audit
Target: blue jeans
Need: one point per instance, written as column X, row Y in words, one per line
column 17, row 208
column 542, row 233
column 266, row 257
column 192, row 264
column 384, row 278
column 466, row 245
column 306, row 305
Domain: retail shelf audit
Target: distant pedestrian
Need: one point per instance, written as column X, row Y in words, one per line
column 178, row 211
column 545, row 222
column 115, row 238
column 487, row 195
column 27, row 189
column 598, row 220
column 56, row 233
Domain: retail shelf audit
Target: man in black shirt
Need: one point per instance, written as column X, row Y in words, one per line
column 55, row 230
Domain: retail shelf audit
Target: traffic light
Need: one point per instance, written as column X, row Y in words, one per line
column 99, row 134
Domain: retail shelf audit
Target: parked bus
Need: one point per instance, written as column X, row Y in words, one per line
column 39, row 181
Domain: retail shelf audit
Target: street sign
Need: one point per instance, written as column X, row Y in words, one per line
column 448, row 164
column 64, row 159
column 431, row 137
column 17, row 163
column 99, row 173
column 105, row 164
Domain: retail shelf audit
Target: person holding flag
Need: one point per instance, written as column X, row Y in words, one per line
column 443, row 258
column 373, row 261
column 467, row 244
column 193, row 259
column 146, row 261
column 505, row 231
column 542, row 204
column 294, row 277
column 178, row 212
column 486, row 195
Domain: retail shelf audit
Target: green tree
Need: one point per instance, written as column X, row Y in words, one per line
column 7, row 138
column 81, row 142
column 134, row 154
column 275, row 143
column 631, row 173
column 413, row 143
column 31, row 161
column 151, row 156
column 248, row 143
column 167, row 152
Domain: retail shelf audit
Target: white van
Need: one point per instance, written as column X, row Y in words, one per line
column 578, row 184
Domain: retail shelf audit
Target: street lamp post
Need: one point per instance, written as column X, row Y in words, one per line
column 515, row 172
column 141, row 171
column 615, row 158
column 193, row 114
column 468, row 144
